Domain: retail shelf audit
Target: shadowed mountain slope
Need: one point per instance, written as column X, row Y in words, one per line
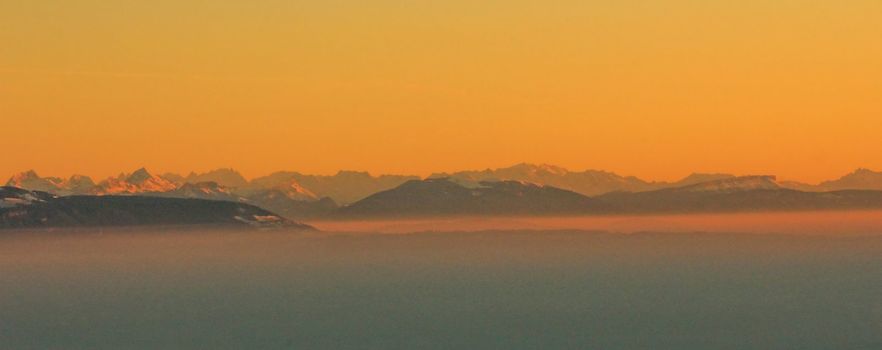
column 748, row 193
column 433, row 197
column 26, row 209
column 860, row 179
column 445, row 197
column 225, row 177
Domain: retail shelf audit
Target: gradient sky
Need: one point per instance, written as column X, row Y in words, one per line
column 656, row 89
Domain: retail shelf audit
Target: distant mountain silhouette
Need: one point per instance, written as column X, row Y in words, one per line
column 292, row 194
column 860, row 179
column 344, row 187
column 225, row 177
column 694, row 178
column 29, row 209
column 289, row 187
column 349, row 186
column 441, row 196
column 289, row 202
column 731, row 185
column 76, row 184
column 203, row 190
column 176, row 179
column 589, row 182
column 445, row 197
column 30, row 180
column 748, row 193
column 280, row 202
column 299, row 196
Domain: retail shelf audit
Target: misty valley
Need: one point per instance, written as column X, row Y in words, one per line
column 559, row 289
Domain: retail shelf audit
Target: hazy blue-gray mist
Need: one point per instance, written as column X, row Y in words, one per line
column 487, row 290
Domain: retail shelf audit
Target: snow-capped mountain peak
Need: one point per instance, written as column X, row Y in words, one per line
column 138, row 181
column 30, row 180
column 294, row 190
column 25, row 176
column 139, row 176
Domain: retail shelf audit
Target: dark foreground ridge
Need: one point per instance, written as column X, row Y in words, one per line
column 33, row 209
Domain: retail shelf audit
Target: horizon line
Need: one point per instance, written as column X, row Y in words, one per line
column 423, row 177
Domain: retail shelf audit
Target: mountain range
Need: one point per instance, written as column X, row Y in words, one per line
column 597, row 182
column 282, row 192
column 343, row 187
column 519, row 189
column 448, row 197
column 350, row 186
column 738, row 194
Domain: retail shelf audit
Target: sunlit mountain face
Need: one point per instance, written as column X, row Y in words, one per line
column 344, row 187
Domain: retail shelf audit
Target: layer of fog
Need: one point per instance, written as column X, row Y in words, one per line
column 494, row 289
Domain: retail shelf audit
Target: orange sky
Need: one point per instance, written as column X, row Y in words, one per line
column 655, row 89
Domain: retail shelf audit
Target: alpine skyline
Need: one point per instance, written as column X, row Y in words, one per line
column 656, row 90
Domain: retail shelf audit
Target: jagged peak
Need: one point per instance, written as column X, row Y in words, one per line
column 454, row 181
column 535, row 168
column 698, row 175
column 78, row 177
column 78, row 180
column 206, row 187
column 139, row 176
column 230, row 171
column 293, row 189
column 863, row 172
column 860, row 178
column 29, row 174
column 173, row 177
column 32, row 181
column 353, row 173
column 522, row 183
column 228, row 177
column 431, row 182
column 202, row 184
